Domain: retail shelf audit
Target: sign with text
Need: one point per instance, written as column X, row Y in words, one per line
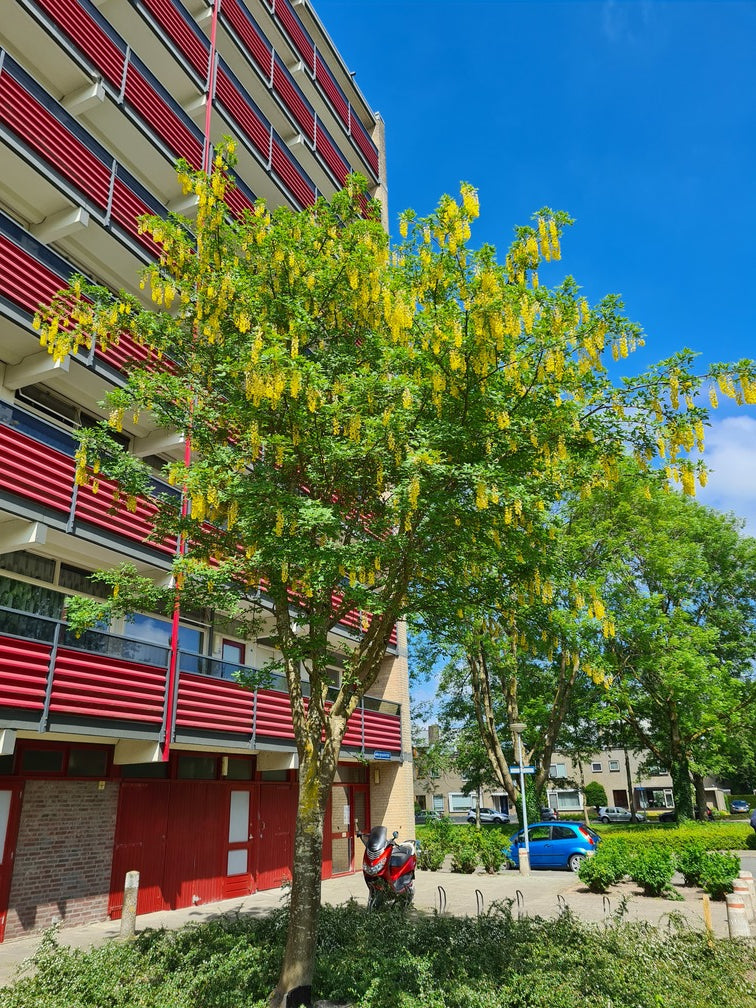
column 525, row 769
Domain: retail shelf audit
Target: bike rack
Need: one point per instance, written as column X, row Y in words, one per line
column 561, row 903
column 520, row 902
column 479, row 901
column 607, row 904
column 441, row 899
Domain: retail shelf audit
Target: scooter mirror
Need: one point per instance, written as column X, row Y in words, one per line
column 395, row 834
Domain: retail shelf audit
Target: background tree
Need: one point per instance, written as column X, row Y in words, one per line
column 366, row 426
column 683, row 597
column 595, row 794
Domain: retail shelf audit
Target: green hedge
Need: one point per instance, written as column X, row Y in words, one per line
column 388, row 960
column 715, row 836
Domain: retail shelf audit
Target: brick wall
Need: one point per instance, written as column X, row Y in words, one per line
column 64, row 855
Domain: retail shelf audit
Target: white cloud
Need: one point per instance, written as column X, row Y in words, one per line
column 731, row 456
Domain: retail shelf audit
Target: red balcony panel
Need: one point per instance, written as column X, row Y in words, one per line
column 121, row 354
column 35, row 471
column 126, row 208
column 38, row 127
column 161, row 117
column 243, row 114
column 290, row 175
column 101, row 508
column 382, row 731
column 364, row 142
column 94, row 685
column 293, row 100
column 237, row 202
column 332, row 91
column 214, row 705
column 180, row 32
column 274, row 715
column 353, row 733
column 23, row 279
column 88, row 37
column 23, row 673
column 326, row 148
column 254, row 42
column 297, row 34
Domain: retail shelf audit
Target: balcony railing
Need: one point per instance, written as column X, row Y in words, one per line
column 53, row 680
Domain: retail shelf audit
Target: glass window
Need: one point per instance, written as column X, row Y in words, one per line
column 87, row 763
column 558, row 770
column 28, row 565
column 459, row 802
column 158, row 631
column 239, row 768
column 538, row 833
column 561, row 833
column 274, row 775
column 48, row 761
column 30, row 598
column 614, row 766
column 197, row 768
column 159, row 770
column 80, row 581
column 568, row 800
column 596, row 767
column 438, row 803
column 6, row 764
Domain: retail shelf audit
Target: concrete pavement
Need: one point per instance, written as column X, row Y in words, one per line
column 542, row 893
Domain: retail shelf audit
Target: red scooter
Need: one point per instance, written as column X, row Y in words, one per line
column 388, row 868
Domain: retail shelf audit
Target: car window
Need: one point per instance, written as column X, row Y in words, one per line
column 539, row 833
column 561, row 833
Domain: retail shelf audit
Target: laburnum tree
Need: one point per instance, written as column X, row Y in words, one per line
column 682, row 591
column 366, row 425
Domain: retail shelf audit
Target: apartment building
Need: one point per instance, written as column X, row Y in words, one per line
column 98, row 99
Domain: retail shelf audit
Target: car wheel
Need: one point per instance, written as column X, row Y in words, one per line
column 498, row 820
column 604, row 819
column 574, row 861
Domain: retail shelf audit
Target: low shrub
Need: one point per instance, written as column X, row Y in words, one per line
column 430, row 856
column 652, row 868
column 465, row 859
column 717, row 873
column 606, row 868
column 492, row 847
column 425, row 961
column 689, row 859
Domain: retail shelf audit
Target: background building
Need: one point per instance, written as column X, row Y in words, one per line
column 97, row 101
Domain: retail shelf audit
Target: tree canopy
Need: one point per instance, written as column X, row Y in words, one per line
column 372, row 429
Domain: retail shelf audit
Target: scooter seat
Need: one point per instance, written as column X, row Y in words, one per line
column 401, row 854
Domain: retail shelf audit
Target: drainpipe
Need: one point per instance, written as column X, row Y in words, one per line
column 181, row 541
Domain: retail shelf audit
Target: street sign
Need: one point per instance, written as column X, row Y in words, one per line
column 525, row 769
column 379, row 754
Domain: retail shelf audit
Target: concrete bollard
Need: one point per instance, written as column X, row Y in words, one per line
column 751, row 888
column 128, row 913
column 737, row 919
column 741, row 888
column 524, row 861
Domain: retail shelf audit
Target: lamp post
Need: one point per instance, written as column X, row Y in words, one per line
column 518, row 728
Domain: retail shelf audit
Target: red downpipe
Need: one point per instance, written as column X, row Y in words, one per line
column 181, row 541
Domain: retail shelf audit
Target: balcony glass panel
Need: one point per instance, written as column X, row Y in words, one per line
column 29, row 627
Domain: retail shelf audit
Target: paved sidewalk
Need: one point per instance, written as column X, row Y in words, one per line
column 543, row 893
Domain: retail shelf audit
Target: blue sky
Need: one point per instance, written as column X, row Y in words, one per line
column 637, row 117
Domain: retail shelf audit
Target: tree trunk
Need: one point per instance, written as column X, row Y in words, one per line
column 698, row 784
column 630, row 788
column 679, row 770
column 295, row 982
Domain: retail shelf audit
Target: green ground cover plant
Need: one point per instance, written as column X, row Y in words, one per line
column 423, row 961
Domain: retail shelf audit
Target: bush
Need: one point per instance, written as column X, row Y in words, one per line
column 595, row 794
column 465, row 859
column 718, row 871
column 491, row 847
column 653, row 868
column 607, row 867
column 428, row 961
column 430, row 856
column 689, row 859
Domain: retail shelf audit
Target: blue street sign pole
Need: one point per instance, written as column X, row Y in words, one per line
column 518, row 728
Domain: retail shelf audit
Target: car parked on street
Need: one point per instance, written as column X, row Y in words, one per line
column 488, row 815
column 555, row 845
column 616, row 813
column 425, row 816
column 548, row 813
column 738, row 806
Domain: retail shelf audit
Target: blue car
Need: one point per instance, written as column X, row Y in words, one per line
column 737, row 805
column 555, row 845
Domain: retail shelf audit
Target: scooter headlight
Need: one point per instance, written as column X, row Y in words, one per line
column 373, row 869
